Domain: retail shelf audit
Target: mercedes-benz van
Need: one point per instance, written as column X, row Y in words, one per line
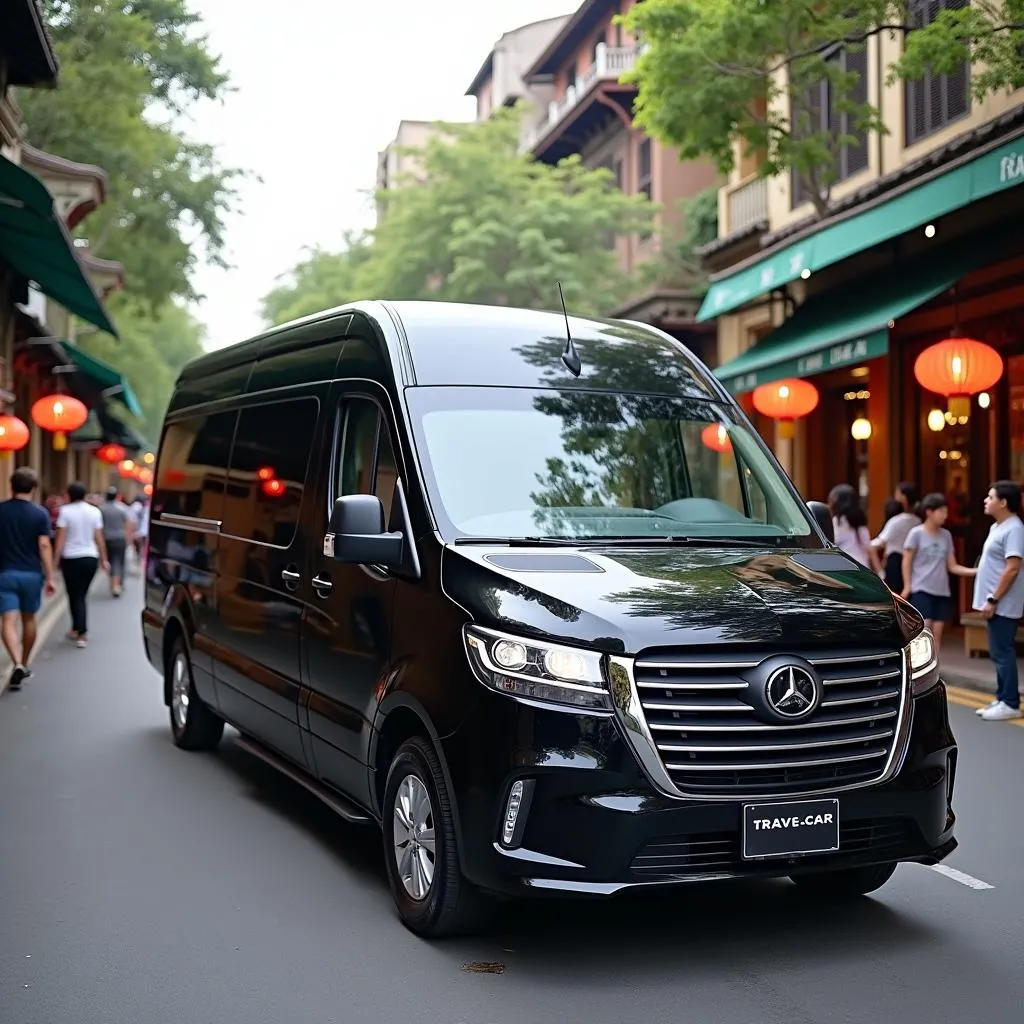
column 547, row 611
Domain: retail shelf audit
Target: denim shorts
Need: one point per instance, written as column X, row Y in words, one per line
column 20, row 591
column 931, row 606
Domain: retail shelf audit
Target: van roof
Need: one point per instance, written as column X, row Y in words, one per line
column 448, row 343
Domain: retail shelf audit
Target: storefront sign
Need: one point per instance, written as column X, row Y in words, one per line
column 846, row 353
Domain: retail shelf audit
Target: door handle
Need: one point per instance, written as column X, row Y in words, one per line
column 291, row 578
column 321, row 586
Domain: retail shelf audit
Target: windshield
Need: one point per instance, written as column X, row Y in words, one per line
column 513, row 462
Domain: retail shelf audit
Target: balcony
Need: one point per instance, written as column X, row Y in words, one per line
column 610, row 64
column 745, row 204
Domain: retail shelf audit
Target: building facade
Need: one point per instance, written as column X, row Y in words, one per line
column 51, row 287
column 917, row 245
column 590, row 113
column 395, row 166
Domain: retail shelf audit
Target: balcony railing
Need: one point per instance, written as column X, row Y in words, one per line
column 610, row 64
column 746, row 204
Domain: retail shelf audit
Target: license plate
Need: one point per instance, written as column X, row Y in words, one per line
column 792, row 829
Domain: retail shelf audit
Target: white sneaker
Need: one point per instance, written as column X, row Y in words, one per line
column 987, row 707
column 1000, row 712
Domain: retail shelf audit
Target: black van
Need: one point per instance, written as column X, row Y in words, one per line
column 549, row 612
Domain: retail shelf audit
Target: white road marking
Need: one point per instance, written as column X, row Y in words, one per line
column 962, row 877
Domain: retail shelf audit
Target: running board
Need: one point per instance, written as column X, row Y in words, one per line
column 337, row 803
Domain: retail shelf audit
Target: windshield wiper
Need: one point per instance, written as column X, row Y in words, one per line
column 678, row 541
column 516, row 542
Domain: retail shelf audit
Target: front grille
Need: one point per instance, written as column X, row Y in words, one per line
column 718, row 853
column 712, row 742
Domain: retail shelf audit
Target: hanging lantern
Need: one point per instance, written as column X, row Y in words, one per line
column 149, row 458
column 273, row 488
column 786, row 401
column 148, row 490
column 59, row 414
column 14, row 434
column 958, row 368
column 111, row 454
column 716, row 437
column 860, row 429
column 126, row 469
column 144, row 475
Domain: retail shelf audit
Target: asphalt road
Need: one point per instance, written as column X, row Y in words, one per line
column 143, row 885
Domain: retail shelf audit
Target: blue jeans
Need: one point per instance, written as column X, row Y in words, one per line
column 1002, row 649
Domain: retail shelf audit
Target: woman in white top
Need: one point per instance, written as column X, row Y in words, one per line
column 81, row 550
column 893, row 536
column 851, row 527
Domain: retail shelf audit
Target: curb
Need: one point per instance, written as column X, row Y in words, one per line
column 967, row 682
column 48, row 618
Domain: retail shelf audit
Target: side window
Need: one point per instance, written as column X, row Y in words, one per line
column 366, row 460
column 716, row 472
column 268, row 470
column 193, row 466
column 755, row 496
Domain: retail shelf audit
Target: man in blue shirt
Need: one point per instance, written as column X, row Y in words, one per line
column 999, row 595
column 26, row 568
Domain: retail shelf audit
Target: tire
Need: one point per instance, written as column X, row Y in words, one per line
column 193, row 725
column 437, row 901
column 845, row 884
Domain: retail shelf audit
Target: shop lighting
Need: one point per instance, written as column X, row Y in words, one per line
column 984, row 400
column 805, row 273
column 929, row 231
column 860, row 429
column 936, row 420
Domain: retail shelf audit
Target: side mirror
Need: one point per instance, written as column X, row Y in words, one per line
column 823, row 517
column 357, row 533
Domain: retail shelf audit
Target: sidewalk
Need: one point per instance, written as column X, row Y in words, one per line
column 971, row 673
column 49, row 616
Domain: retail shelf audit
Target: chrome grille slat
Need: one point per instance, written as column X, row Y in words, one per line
column 711, row 742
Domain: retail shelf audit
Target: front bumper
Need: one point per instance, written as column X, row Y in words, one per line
column 592, row 822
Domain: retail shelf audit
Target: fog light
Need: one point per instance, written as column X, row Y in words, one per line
column 515, row 801
column 509, row 655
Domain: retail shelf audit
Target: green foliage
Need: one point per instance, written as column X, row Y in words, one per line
column 488, row 224
column 320, row 281
column 716, row 71
column 152, row 349
column 127, row 67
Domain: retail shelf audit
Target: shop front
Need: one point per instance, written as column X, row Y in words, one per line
column 855, row 385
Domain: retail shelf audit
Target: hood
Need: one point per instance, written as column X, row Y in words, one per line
column 623, row 601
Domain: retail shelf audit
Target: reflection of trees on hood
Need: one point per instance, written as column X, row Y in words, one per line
column 491, row 594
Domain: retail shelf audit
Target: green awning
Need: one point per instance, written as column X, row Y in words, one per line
column 113, row 384
column 992, row 172
column 850, row 324
column 34, row 241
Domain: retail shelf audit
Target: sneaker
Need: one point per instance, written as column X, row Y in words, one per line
column 18, row 675
column 987, row 707
column 81, row 642
column 1000, row 712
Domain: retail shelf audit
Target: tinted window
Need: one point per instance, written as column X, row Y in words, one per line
column 193, row 465
column 367, row 458
column 268, row 470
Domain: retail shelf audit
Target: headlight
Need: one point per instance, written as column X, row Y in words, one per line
column 534, row 670
column 924, row 664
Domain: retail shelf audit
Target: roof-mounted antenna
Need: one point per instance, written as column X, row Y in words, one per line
column 570, row 357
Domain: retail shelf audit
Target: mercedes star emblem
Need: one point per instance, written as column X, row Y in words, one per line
column 792, row 692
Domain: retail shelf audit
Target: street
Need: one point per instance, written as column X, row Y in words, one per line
column 144, row 885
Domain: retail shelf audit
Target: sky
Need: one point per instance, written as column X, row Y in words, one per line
column 320, row 86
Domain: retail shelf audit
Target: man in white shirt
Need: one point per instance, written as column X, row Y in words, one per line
column 999, row 595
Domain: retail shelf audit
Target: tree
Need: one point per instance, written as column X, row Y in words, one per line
column 489, row 224
column 321, row 280
column 753, row 71
column 152, row 349
column 128, row 67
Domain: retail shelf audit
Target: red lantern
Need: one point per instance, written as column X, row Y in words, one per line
column 273, row 488
column 716, row 437
column 14, row 434
column 787, row 401
column 148, row 490
column 144, row 475
column 60, row 414
column 126, row 469
column 110, row 454
column 958, row 368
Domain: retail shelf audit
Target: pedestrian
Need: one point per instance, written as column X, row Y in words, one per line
column 999, row 595
column 117, row 532
column 81, row 550
column 850, row 525
column 894, row 532
column 26, row 570
column 928, row 561
column 140, row 529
